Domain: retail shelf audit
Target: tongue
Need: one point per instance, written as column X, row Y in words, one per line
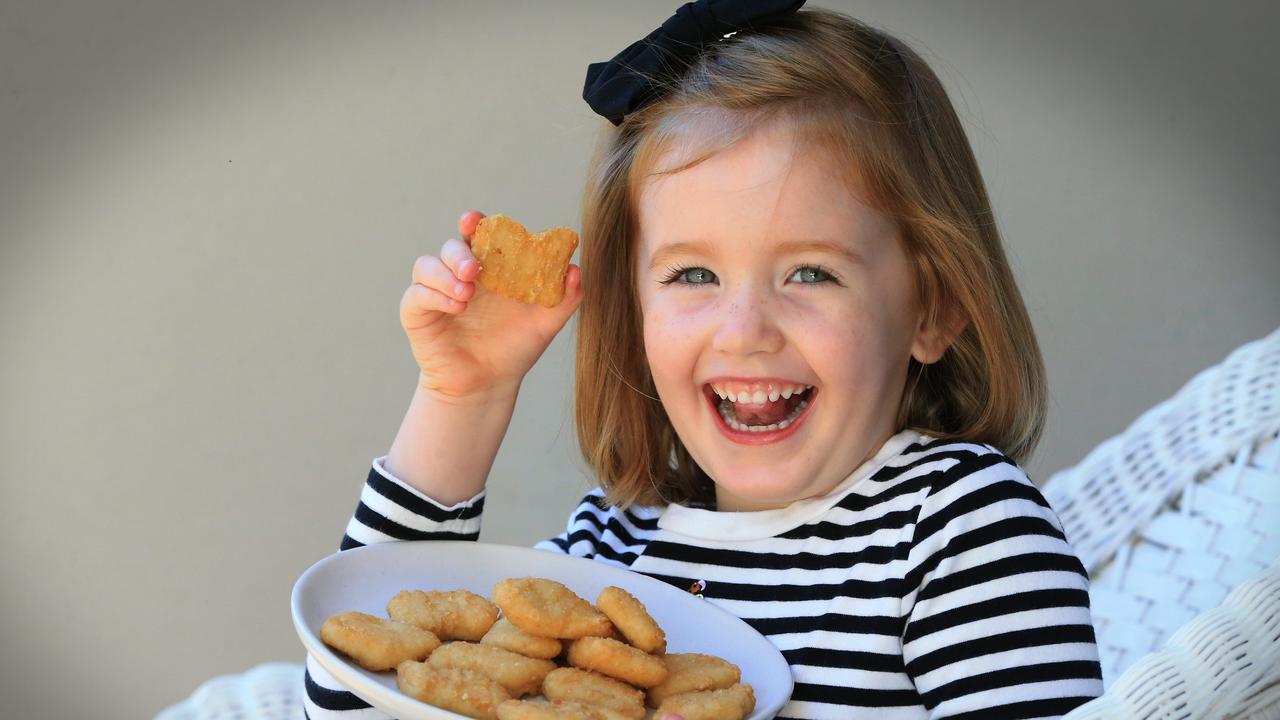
column 767, row 414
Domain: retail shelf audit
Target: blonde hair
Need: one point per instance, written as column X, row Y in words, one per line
column 879, row 107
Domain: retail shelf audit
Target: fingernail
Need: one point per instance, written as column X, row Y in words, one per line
column 459, row 289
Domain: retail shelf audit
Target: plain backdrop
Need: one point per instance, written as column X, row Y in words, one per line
column 209, row 211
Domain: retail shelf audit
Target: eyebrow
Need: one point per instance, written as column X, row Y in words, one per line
column 699, row 247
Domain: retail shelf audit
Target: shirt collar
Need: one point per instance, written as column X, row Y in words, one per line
column 706, row 524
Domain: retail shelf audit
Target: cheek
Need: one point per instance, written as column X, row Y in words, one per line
column 668, row 320
column 843, row 342
column 673, row 345
column 667, row 343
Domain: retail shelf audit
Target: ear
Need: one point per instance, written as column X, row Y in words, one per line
column 933, row 339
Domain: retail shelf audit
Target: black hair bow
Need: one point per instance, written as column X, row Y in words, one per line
column 620, row 86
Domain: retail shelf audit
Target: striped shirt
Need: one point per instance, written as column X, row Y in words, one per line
column 933, row 582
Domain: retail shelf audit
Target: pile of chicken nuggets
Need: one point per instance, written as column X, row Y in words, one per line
column 461, row 652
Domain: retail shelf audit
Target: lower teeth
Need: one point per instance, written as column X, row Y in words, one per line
column 726, row 412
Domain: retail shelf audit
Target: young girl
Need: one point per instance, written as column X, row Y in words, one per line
column 805, row 377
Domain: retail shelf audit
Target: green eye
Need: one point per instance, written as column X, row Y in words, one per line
column 689, row 276
column 698, row 276
column 810, row 275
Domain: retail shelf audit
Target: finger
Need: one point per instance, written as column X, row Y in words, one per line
column 429, row 271
column 467, row 223
column 457, row 256
column 560, row 314
column 573, row 285
column 420, row 303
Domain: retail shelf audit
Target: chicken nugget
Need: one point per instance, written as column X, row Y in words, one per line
column 509, row 637
column 632, row 619
column 374, row 643
column 520, row 675
column 545, row 607
column 523, row 266
column 556, row 710
column 594, row 689
column 459, row 690
column 452, row 615
column 732, row 703
column 617, row 660
column 690, row 672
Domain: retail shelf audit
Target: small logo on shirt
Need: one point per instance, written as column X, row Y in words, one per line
column 697, row 587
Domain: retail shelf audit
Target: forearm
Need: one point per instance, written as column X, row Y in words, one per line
column 446, row 446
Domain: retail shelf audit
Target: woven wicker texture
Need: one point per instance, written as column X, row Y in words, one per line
column 1224, row 664
column 1182, row 507
column 272, row 691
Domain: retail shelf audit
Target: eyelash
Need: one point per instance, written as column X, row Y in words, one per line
column 674, row 273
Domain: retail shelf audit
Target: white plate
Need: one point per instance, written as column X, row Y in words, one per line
column 365, row 578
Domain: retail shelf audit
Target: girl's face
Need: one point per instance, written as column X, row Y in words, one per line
column 759, row 273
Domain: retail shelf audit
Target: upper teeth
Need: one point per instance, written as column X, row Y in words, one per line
column 758, row 396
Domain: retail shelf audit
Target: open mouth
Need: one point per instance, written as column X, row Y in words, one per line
column 771, row 417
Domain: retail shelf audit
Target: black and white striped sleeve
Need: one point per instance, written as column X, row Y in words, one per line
column 389, row 510
column 996, row 604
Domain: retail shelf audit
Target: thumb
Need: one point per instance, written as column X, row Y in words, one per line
column 572, row 294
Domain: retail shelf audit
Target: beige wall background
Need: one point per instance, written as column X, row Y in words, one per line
column 209, row 211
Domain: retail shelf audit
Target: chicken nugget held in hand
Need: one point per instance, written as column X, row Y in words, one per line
column 523, row 266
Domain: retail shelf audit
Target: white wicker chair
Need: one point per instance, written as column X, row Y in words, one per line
column 270, row 691
column 1168, row 517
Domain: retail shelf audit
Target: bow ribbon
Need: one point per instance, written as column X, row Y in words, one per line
column 623, row 84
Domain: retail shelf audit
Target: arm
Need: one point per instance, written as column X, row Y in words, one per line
column 390, row 509
column 430, row 486
column 473, row 348
column 446, row 446
column 997, row 613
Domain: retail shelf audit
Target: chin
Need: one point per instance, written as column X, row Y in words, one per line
column 761, row 492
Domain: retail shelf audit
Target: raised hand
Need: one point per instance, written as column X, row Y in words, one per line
column 472, row 344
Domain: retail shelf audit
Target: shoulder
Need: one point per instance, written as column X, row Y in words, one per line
column 925, row 459
column 939, row 465
column 978, row 485
column 594, row 506
column 597, row 529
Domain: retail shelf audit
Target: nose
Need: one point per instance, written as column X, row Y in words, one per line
column 746, row 324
